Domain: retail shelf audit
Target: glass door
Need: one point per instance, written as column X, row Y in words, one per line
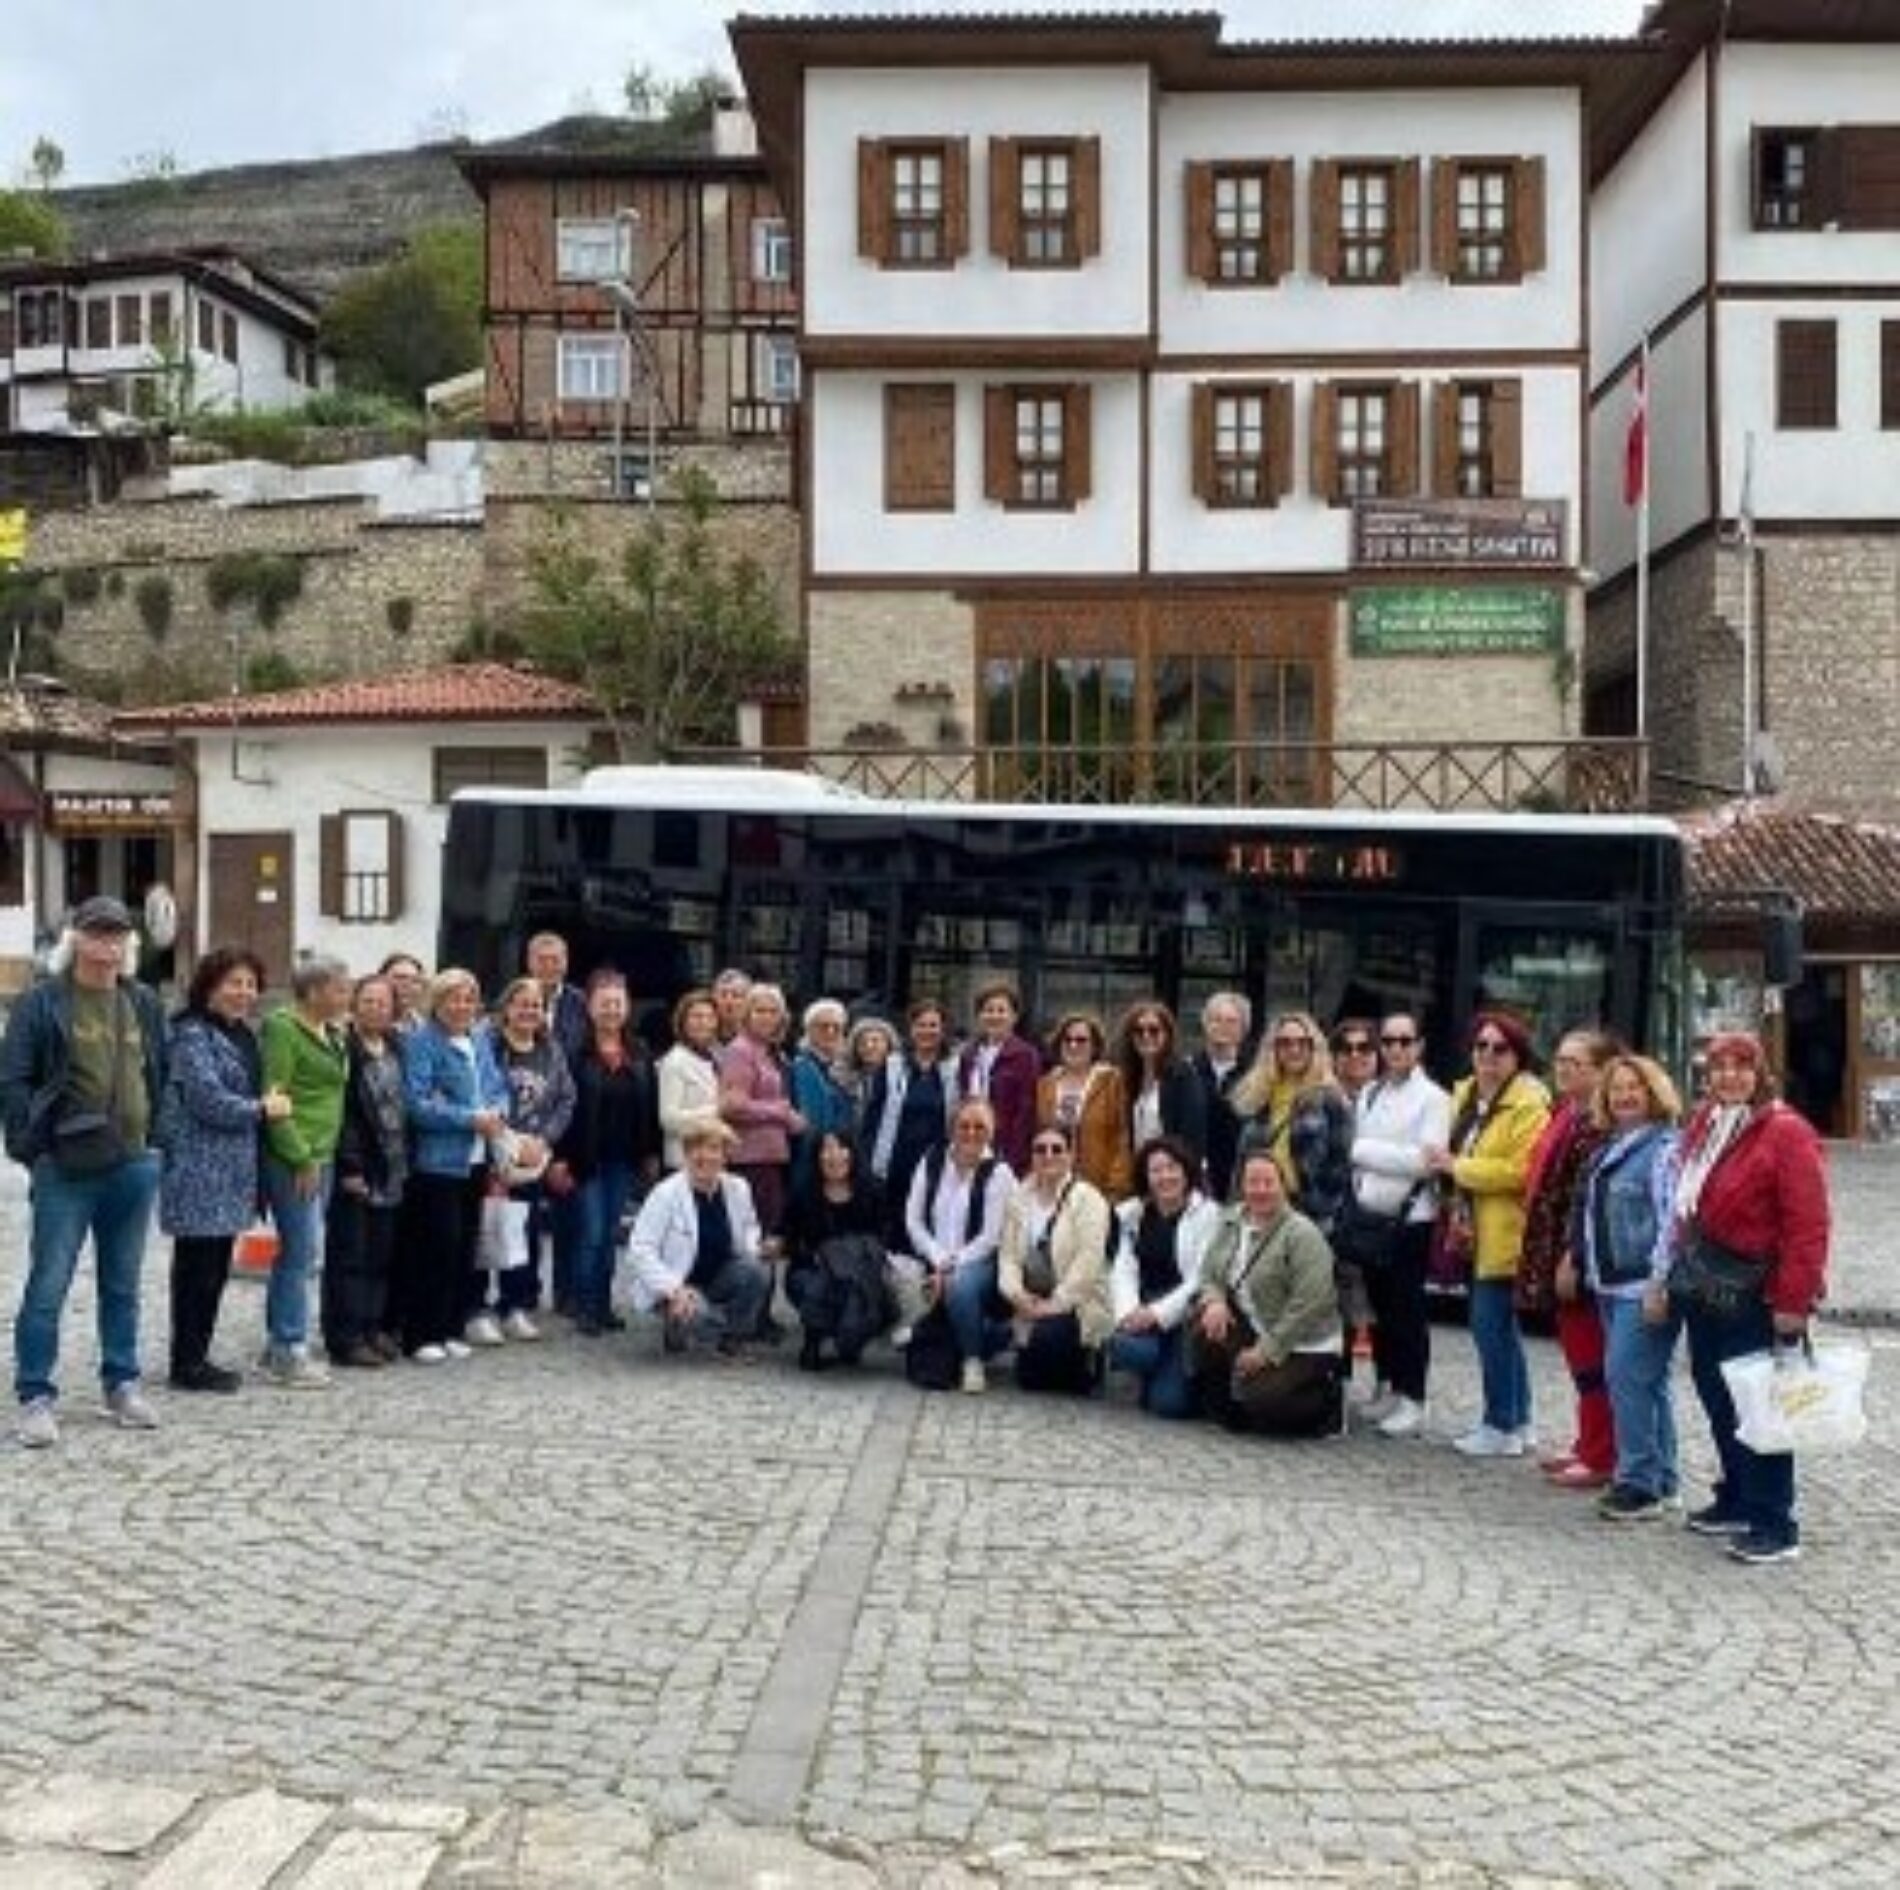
column 1555, row 970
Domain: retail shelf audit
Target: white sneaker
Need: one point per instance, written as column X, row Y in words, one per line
column 37, row 1427
column 900, row 1337
column 482, row 1330
column 519, row 1326
column 429, row 1355
column 126, row 1407
column 1365, row 1396
column 1405, row 1418
column 1376, row 1410
column 975, row 1378
column 454, row 1348
column 1484, row 1440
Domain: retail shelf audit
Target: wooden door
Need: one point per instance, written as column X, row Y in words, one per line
column 253, row 890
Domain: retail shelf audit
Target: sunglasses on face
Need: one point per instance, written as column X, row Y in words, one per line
column 1398, row 1042
column 1079, row 1039
column 1150, row 1029
column 1356, row 1047
column 1491, row 1047
column 1293, row 1043
column 1048, row 1148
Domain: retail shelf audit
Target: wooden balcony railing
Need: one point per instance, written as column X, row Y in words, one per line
column 1593, row 777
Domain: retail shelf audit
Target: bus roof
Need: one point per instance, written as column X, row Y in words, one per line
column 744, row 790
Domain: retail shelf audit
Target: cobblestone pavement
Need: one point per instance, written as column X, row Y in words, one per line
column 570, row 1615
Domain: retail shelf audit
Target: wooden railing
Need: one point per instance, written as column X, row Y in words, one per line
column 1594, row 777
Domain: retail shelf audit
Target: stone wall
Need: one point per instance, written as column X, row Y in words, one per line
column 865, row 644
column 354, row 569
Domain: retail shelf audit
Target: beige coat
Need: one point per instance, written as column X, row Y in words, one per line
column 1078, row 1246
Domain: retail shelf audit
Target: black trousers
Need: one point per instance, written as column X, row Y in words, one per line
column 201, row 1263
column 1300, row 1397
column 1053, row 1358
column 359, row 1243
column 1401, row 1330
column 434, row 1267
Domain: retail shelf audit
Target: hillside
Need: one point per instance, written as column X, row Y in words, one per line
column 314, row 221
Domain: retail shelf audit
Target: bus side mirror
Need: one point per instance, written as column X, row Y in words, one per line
column 1781, row 949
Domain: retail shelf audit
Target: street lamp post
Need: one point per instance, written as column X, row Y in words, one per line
column 629, row 328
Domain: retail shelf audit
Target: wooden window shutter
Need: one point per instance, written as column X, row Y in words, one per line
column 956, row 198
column 1279, row 218
column 1004, row 198
column 1323, row 451
column 6, row 327
column 1405, row 176
column 1077, row 446
column 1507, row 439
column 1403, row 448
column 1754, row 178
column 1202, row 258
column 1826, row 189
column 394, row 857
column 1279, row 440
column 919, row 447
column 1528, row 217
column 1322, row 203
column 1867, row 195
column 1087, row 185
column 1202, row 441
column 1444, row 240
column 1806, row 377
column 1445, row 438
column 330, row 866
column 999, row 444
column 873, row 199
column 1889, row 376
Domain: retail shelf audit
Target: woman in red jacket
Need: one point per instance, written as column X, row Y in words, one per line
column 1750, row 1267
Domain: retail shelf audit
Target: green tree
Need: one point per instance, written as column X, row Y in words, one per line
column 685, row 104
column 30, row 224
column 48, row 162
column 669, row 637
column 418, row 319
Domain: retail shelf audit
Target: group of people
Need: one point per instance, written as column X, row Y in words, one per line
column 1218, row 1226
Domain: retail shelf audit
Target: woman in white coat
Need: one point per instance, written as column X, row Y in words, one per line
column 1162, row 1235
column 695, row 1246
column 689, row 1072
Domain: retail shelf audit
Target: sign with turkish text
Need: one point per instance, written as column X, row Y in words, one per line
column 1492, row 620
column 103, row 809
column 1509, row 534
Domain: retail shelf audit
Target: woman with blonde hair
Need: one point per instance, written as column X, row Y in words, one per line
column 1291, row 1105
column 1083, row 1093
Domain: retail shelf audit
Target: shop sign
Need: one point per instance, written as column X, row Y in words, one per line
column 1492, row 620
column 95, row 810
column 1510, row 534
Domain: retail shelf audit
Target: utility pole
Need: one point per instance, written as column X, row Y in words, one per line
column 630, row 327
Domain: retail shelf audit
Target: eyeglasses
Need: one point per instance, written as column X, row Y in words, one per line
column 1398, row 1041
column 1490, row 1046
column 1081, row 1037
column 1049, row 1148
column 1355, row 1047
column 1148, row 1029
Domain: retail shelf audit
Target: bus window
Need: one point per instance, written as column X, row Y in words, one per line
column 1554, row 979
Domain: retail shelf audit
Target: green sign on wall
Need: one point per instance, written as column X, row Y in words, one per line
column 1490, row 620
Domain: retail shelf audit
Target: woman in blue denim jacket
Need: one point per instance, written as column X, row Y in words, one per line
column 1620, row 1238
column 457, row 1101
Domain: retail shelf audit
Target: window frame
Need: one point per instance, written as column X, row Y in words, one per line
column 1351, row 171
column 572, row 348
column 1346, row 461
column 1501, row 239
column 1766, row 207
column 1042, row 467
column 774, row 351
column 1041, row 223
column 575, row 235
column 505, row 765
column 901, row 224
column 771, row 250
column 97, row 324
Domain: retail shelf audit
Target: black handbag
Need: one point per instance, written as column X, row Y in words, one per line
column 1363, row 1237
column 1708, row 1278
column 931, row 1360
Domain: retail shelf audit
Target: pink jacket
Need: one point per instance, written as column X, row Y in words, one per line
column 752, row 1099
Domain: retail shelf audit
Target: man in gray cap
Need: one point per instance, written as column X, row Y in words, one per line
column 82, row 1069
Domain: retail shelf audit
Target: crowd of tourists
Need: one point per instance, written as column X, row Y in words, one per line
column 1228, row 1230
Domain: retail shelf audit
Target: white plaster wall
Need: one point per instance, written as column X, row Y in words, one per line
column 1304, row 534
column 1678, row 472
column 845, row 293
column 1305, row 314
column 1850, row 471
column 1648, row 225
column 1799, row 85
column 852, row 533
column 309, row 772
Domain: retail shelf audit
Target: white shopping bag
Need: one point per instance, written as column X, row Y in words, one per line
column 504, row 1236
column 1799, row 1398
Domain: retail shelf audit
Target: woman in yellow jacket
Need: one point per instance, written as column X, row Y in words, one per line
column 1497, row 1114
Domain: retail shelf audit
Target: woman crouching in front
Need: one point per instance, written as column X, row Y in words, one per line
column 1162, row 1238
column 1053, row 1269
column 1264, row 1334
column 695, row 1248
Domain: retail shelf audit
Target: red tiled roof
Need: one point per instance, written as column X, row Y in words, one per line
column 1839, row 868
column 463, row 692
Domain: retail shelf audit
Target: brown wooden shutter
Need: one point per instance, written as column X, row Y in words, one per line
column 1507, row 439
column 1444, row 240
column 6, row 326
column 397, row 888
column 1445, row 438
column 873, row 199
column 1806, row 377
column 1201, row 441
column 1279, row 418
column 1402, row 446
column 1323, row 447
column 1077, row 444
column 1279, row 218
column 1322, row 202
column 919, row 447
column 1004, row 198
column 1087, row 186
column 956, row 198
column 1203, row 261
column 1754, row 178
column 1889, row 376
column 1528, row 216
column 1868, row 172
column 1826, row 185
column 330, row 866
column 1405, row 215
column 999, row 444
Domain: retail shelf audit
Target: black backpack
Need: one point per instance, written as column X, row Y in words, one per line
column 931, row 1360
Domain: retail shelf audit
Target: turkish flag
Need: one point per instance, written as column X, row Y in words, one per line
column 1636, row 442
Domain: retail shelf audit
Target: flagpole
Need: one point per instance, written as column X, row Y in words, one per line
column 1642, row 554
column 1745, row 536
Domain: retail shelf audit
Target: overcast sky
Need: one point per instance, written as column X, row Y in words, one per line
column 232, row 81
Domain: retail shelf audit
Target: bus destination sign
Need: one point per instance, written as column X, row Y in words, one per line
column 1314, row 863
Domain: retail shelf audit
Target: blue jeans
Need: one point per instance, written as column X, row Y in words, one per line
column 1507, row 1378
column 115, row 1208
column 299, row 1224
column 1157, row 1359
column 1642, row 1405
column 974, row 1309
column 603, row 1199
column 1758, row 1490
column 733, row 1298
